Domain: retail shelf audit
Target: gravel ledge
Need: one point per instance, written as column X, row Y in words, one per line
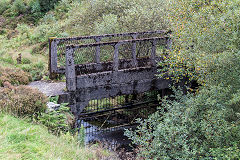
column 49, row 88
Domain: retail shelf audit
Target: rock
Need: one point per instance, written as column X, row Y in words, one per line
column 52, row 106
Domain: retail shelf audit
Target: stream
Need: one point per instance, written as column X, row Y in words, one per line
column 111, row 139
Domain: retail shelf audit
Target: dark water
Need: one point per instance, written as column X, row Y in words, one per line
column 113, row 139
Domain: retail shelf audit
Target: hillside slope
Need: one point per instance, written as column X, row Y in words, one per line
column 25, row 26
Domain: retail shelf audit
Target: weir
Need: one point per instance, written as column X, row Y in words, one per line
column 111, row 79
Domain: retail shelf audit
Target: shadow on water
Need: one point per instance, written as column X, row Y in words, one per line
column 105, row 121
column 112, row 138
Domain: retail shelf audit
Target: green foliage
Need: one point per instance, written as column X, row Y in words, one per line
column 35, row 9
column 4, row 5
column 190, row 127
column 30, row 10
column 202, row 30
column 58, row 120
column 81, row 136
column 63, row 7
column 19, row 7
column 100, row 17
column 23, row 29
column 26, row 61
column 47, row 5
column 226, row 152
column 36, row 70
column 204, row 125
column 7, row 60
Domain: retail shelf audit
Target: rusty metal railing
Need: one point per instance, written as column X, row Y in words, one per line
column 98, row 49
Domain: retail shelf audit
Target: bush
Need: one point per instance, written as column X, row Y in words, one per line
column 203, row 125
column 111, row 16
column 13, row 76
column 189, row 127
column 202, row 30
column 4, row 5
column 22, row 101
column 35, row 10
column 47, row 5
column 18, row 7
column 7, row 60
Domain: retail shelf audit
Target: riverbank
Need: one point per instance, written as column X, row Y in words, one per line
column 21, row 139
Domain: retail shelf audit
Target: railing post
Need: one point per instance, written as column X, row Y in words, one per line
column 52, row 57
column 70, row 69
column 97, row 53
column 153, row 53
column 115, row 57
column 134, row 50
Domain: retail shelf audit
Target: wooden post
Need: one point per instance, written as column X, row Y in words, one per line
column 153, row 53
column 97, row 53
column 115, row 57
column 19, row 58
column 52, row 64
column 70, row 69
column 134, row 50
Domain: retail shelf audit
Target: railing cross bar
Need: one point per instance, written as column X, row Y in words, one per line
column 115, row 42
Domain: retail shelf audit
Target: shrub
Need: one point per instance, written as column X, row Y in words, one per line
column 226, row 152
column 19, row 7
column 22, row 101
column 204, row 125
column 4, row 5
column 62, row 8
column 96, row 17
column 47, row 5
column 202, row 30
column 35, row 10
column 189, row 127
column 14, row 76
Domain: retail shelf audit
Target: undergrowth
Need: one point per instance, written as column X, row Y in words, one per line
column 58, row 120
column 22, row 101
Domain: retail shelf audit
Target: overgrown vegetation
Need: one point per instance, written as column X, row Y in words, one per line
column 30, row 138
column 13, row 76
column 204, row 124
column 22, row 101
column 58, row 120
column 25, row 26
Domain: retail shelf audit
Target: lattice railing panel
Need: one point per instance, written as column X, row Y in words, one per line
column 106, row 53
column 107, row 114
column 113, row 103
column 101, row 53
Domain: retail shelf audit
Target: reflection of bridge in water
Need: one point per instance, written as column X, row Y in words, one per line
column 111, row 79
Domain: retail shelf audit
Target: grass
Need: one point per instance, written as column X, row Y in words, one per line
column 20, row 139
